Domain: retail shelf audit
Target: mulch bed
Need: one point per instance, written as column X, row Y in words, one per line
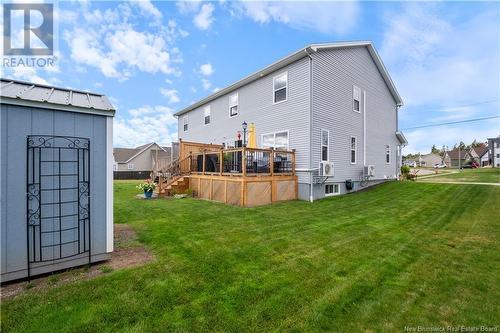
column 127, row 253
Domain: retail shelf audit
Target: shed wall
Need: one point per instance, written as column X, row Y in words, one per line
column 17, row 122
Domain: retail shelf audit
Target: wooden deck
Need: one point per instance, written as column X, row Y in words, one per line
column 238, row 176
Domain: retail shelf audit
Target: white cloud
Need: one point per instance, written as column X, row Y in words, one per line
column 207, row 69
column 171, row 94
column 143, row 125
column 206, row 84
column 216, row 89
column 109, row 41
column 436, row 61
column 204, row 19
column 28, row 74
column 326, row 17
column 188, row 7
column 148, row 8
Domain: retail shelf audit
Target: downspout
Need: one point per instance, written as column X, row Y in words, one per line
column 364, row 128
column 400, row 155
column 311, row 186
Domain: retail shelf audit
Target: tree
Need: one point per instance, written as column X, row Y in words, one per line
column 434, row 150
column 461, row 145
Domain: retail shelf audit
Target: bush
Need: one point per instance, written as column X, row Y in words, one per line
column 405, row 169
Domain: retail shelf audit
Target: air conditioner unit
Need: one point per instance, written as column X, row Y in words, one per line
column 326, row 169
column 369, row 170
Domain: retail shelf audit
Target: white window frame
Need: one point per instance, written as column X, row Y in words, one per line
column 205, row 109
column 327, row 145
column 286, row 88
column 355, row 150
column 232, row 105
column 274, row 138
column 130, row 166
column 185, row 123
column 388, row 153
column 115, row 166
column 335, row 191
column 355, row 89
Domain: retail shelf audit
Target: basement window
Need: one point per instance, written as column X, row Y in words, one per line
column 331, row 189
column 280, row 86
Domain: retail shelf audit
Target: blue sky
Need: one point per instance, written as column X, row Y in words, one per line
column 153, row 58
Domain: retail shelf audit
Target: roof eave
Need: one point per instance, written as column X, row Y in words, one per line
column 55, row 106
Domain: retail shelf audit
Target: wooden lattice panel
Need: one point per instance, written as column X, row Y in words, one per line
column 285, row 190
column 204, row 188
column 258, row 193
column 233, row 193
column 218, row 190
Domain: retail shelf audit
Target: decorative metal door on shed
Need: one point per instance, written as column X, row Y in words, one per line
column 58, row 198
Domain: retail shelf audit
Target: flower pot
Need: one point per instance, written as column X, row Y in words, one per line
column 148, row 194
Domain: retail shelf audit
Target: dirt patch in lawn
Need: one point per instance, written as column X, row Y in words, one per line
column 128, row 252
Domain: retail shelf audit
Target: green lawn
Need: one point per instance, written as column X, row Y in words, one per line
column 401, row 254
column 486, row 175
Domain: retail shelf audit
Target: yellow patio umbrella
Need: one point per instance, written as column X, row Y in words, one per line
column 252, row 142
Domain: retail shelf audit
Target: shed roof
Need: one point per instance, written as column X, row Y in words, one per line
column 296, row 56
column 38, row 95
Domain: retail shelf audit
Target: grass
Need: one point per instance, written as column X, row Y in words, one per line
column 483, row 175
column 401, row 254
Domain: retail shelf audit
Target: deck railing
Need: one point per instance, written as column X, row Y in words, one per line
column 243, row 162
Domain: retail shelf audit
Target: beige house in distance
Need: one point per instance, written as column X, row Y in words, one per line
column 138, row 162
column 429, row 160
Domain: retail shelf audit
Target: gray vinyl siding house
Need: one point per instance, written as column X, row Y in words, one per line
column 322, row 81
column 56, row 177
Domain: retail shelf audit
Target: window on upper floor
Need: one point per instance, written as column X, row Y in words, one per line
column 185, row 123
column 206, row 113
column 233, row 105
column 325, row 143
column 387, row 154
column 277, row 140
column 353, row 150
column 356, row 99
column 280, row 87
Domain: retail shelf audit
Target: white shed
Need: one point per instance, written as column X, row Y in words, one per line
column 56, row 172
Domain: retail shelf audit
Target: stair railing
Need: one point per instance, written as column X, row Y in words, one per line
column 178, row 167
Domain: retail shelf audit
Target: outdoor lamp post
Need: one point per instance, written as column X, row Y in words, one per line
column 244, row 125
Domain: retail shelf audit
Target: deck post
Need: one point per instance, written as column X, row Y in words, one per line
column 203, row 164
column 293, row 162
column 244, row 162
column 271, row 162
column 221, row 162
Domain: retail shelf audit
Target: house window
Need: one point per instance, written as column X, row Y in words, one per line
column 130, row 166
column 353, row 150
column 331, row 189
column 387, row 154
column 233, row 105
column 324, row 144
column 277, row 140
column 280, row 86
column 185, row 123
column 356, row 97
column 115, row 167
column 206, row 112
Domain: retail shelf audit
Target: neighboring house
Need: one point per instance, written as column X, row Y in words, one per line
column 56, row 178
column 456, row 158
column 479, row 154
column 332, row 103
column 429, row 160
column 494, row 152
column 138, row 162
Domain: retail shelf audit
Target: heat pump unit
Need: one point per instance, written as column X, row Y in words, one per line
column 326, row 169
column 369, row 170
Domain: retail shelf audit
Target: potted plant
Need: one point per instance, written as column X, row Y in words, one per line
column 148, row 187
